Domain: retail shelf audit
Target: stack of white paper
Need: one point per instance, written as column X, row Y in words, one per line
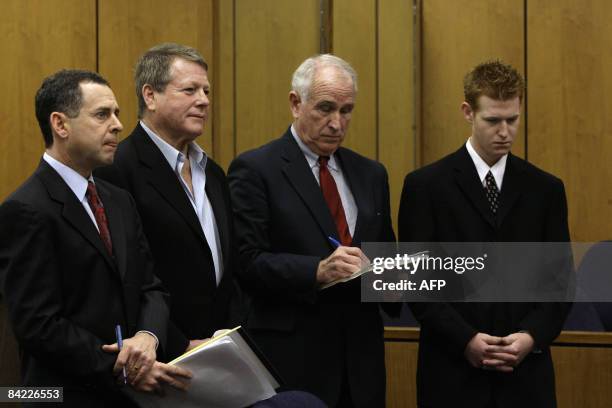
column 226, row 374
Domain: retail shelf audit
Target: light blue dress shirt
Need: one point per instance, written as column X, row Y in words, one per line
column 198, row 199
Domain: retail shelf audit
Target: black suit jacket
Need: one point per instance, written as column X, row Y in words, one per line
column 283, row 223
column 65, row 293
column 445, row 202
column 183, row 260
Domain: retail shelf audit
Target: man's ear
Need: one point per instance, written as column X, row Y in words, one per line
column 59, row 124
column 468, row 112
column 295, row 102
column 148, row 94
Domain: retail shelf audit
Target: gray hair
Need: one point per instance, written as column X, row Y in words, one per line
column 153, row 68
column 306, row 72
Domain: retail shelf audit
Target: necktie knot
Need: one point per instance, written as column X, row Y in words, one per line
column 323, row 160
column 92, row 194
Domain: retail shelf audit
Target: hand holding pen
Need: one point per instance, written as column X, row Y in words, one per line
column 342, row 263
column 135, row 357
column 136, row 364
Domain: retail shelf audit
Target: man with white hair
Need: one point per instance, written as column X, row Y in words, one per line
column 290, row 197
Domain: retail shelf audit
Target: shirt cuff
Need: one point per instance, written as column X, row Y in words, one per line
column 154, row 336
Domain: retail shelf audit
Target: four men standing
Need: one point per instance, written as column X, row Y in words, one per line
column 75, row 259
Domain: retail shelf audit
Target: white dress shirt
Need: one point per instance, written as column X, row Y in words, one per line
column 498, row 169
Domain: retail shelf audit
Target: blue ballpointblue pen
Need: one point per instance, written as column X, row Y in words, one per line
column 120, row 345
column 334, row 242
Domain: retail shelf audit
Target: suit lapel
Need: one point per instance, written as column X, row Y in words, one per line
column 214, row 191
column 164, row 180
column 511, row 187
column 302, row 180
column 73, row 210
column 469, row 183
column 363, row 197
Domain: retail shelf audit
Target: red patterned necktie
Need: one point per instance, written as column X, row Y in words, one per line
column 98, row 210
column 332, row 197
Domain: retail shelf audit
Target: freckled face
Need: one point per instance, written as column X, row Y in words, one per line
column 494, row 126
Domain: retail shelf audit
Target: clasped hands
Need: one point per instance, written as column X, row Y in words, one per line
column 144, row 373
column 498, row 353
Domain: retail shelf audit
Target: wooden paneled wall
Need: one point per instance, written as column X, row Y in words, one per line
column 411, row 56
column 569, row 68
column 38, row 38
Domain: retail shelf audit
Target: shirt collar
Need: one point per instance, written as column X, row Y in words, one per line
column 498, row 169
column 172, row 155
column 312, row 157
column 76, row 182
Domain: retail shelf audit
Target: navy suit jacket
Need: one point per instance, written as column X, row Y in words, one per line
column 446, row 202
column 65, row 293
column 314, row 338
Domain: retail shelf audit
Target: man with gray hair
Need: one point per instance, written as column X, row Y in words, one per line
column 302, row 206
column 181, row 194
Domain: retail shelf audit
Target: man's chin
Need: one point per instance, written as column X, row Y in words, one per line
column 195, row 132
column 327, row 149
column 106, row 160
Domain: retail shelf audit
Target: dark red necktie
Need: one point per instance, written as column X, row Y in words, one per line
column 98, row 210
column 332, row 197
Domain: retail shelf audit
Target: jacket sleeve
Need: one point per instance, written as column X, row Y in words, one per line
column 545, row 321
column 31, row 286
column 261, row 269
column 416, row 223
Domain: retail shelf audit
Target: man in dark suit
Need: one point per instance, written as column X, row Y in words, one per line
column 181, row 194
column 74, row 262
column 289, row 197
column 480, row 354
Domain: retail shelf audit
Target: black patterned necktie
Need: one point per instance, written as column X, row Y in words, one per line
column 492, row 192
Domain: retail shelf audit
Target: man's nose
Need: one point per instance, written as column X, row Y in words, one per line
column 116, row 126
column 203, row 98
column 503, row 129
column 334, row 121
